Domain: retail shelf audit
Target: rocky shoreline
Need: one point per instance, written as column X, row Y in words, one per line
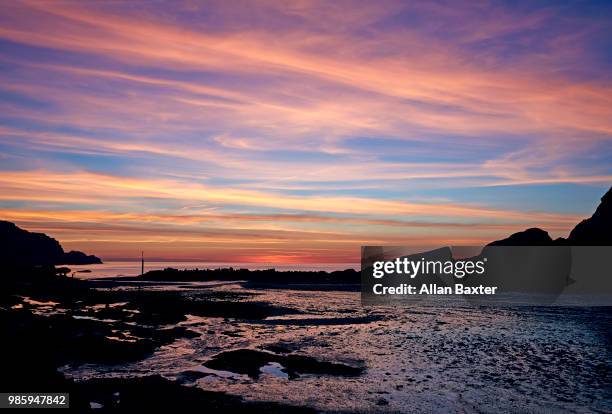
column 66, row 321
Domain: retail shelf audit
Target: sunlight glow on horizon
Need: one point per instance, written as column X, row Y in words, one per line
column 298, row 131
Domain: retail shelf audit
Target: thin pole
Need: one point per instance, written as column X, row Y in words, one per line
column 141, row 263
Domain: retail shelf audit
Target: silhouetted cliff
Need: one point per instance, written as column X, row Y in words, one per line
column 74, row 257
column 529, row 237
column 594, row 231
column 23, row 248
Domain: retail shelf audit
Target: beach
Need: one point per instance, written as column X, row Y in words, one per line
column 322, row 350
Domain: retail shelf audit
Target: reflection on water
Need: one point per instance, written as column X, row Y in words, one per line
column 274, row 368
column 421, row 358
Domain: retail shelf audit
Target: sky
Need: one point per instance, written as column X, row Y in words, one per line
column 295, row 132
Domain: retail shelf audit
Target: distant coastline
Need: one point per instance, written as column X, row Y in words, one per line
column 20, row 247
column 131, row 268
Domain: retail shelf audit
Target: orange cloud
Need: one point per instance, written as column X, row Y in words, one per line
column 491, row 101
column 49, row 186
column 252, row 120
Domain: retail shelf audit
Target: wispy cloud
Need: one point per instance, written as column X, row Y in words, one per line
column 309, row 123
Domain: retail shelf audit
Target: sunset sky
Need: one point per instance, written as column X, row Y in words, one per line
column 295, row 132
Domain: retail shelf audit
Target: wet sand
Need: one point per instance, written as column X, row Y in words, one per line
column 321, row 350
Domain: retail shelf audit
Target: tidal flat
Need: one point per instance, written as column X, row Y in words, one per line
column 229, row 346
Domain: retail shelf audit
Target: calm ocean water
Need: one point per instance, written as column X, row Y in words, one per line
column 132, row 268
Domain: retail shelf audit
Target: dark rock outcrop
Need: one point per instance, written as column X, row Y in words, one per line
column 250, row 362
column 75, row 257
column 20, row 247
column 256, row 278
column 529, row 237
column 596, row 230
column 157, row 394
